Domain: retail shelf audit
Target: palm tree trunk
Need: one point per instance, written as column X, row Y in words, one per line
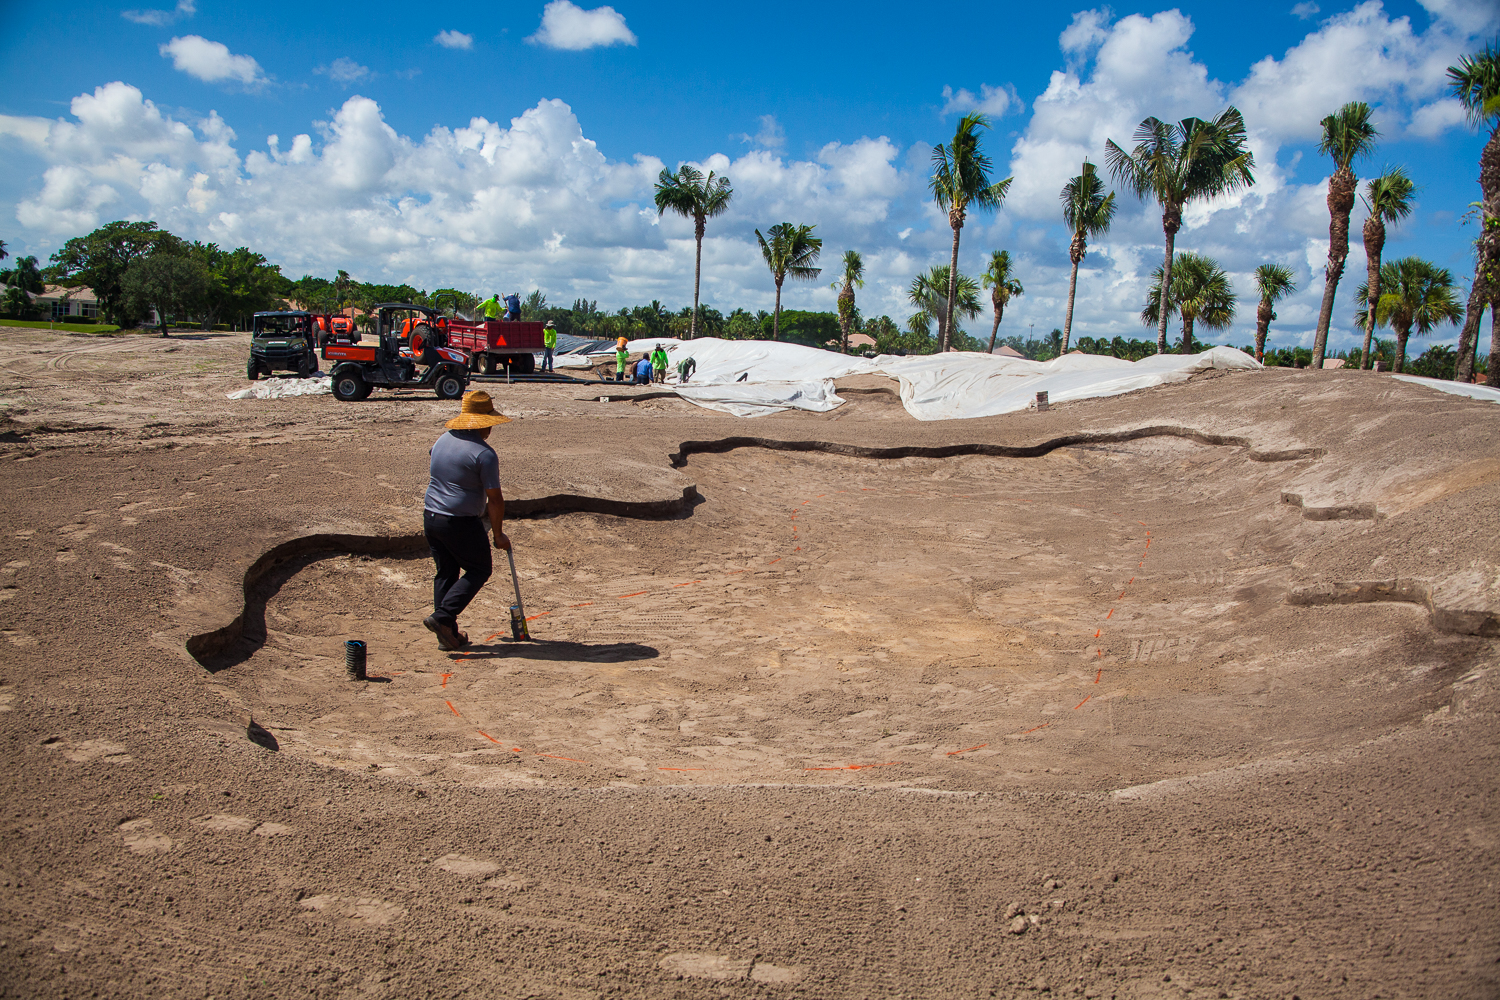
column 1374, row 245
column 1262, row 325
column 1068, row 319
column 995, row 329
column 956, row 220
column 1171, row 221
column 1492, row 374
column 1187, row 335
column 1401, row 335
column 1341, row 188
column 1468, row 338
column 697, row 274
column 776, row 316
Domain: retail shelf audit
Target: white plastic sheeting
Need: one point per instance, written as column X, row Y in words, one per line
column 280, row 388
column 956, row 385
column 1456, row 388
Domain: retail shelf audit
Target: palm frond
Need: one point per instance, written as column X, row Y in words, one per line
column 1274, row 282
column 1389, row 196
column 1348, row 134
column 1475, row 81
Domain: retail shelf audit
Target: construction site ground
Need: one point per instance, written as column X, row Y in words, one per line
column 1187, row 693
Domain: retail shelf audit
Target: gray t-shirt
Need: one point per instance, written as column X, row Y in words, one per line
column 463, row 467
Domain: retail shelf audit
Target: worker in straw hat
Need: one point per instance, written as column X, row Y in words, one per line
column 465, row 486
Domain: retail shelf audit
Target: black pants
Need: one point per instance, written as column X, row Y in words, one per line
column 457, row 543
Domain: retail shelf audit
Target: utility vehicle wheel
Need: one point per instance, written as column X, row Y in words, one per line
column 489, row 364
column 450, row 386
column 307, row 365
column 252, row 370
column 350, row 387
column 523, row 364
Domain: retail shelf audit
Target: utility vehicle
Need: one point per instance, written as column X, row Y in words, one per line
column 358, row 368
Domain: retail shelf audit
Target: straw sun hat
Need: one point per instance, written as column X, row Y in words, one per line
column 478, row 411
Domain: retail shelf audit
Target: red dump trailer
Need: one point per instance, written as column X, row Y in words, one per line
column 496, row 345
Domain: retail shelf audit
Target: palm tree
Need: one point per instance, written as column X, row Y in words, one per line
column 1274, row 282
column 1388, row 198
column 790, row 252
column 960, row 178
column 1088, row 211
column 1000, row 280
column 1475, row 81
column 854, row 277
column 1347, row 133
column 1201, row 294
column 930, row 294
column 1176, row 164
column 696, row 197
column 1415, row 292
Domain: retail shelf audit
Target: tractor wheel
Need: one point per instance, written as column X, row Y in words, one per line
column 489, row 364
column 450, row 385
column 252, row 370
column 350, row 387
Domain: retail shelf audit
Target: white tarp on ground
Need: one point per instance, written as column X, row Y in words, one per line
column 951, row 386
column 1457, row 388
column 280, row 388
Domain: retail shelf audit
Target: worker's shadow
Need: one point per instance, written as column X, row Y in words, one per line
column 552, row 649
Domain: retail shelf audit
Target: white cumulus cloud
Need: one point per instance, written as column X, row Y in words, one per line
column 210, row 61
column 565, row 25
column 993, row 101
column 454, row 40
column 344, row 71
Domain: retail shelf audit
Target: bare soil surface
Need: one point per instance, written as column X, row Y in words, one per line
column 1186, row 693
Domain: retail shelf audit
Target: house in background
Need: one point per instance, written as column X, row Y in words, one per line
column 62, row 304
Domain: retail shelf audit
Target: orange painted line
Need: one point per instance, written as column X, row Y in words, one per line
column 556, row 757
column 445, row 679
column 688, row 584
column 852, row 767
column 491, row 638
column 1081, row 703
column 1097, row 632
column 1141, row 523
column 1098, row 675
column 537, row 615
column 1122, row 594
column 486, row 735
column 583, row 605
column 797, row 549
column 638, row 593
column 820, row 496
column 1112, row 610
column 955, row 753
column 452, row 709
column 1034, row 729
column 1130, row 581
column 515, row 749
column 734, row 571
column 1100, row 652
column 775, row 561
column 682, row 769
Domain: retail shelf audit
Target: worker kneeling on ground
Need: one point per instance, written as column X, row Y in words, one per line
column 643, row 372
column 464, row 486
column 659, row 363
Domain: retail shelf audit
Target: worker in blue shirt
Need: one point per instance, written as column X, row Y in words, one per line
column 513, row 306
column 643, row 371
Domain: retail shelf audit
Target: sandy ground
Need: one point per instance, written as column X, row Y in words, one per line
column 1200, row 703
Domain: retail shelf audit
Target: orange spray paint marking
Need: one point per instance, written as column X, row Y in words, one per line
column 1098, row 632
column 452, row 709
column 1035, row 728
column 688, row 584
column 1122, row 594
column 556, row 757
column 1141, row 523
column 490, row 638
column 638, row 593
column 682, row 769
column 852, row 767
column 487, row 736
column 515, row 749
column 1130, row 581
column 797, row 549
column 776, row 560
column 583, row 605
column 1098, row 675
column 445, row 679
column 537, row 615
column 1112, row 610
column 1081, row 703
column 955, row 753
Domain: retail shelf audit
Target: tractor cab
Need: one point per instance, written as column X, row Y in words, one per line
column 282, row 341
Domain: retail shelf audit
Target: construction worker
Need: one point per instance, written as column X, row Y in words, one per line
column 463, row 488
column 622, row 358
column 659, row 363
column 643, row 371
column 549, row 345
column 513, row 306
column 492, row 308
column 685, row 369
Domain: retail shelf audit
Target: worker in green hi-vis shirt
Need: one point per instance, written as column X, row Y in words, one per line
column 493, row 308
column 622, row 357
column 549, row 345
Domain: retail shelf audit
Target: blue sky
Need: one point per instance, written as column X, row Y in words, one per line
column 514, row 145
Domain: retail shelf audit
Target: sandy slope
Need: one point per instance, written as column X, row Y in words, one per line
column 1114, row 719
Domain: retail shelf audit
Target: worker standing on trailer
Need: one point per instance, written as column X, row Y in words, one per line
column 464, row 486
column 622, row 358
column 659, row 363
column 492, row 308
column 513, row 306
column 549, row 345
